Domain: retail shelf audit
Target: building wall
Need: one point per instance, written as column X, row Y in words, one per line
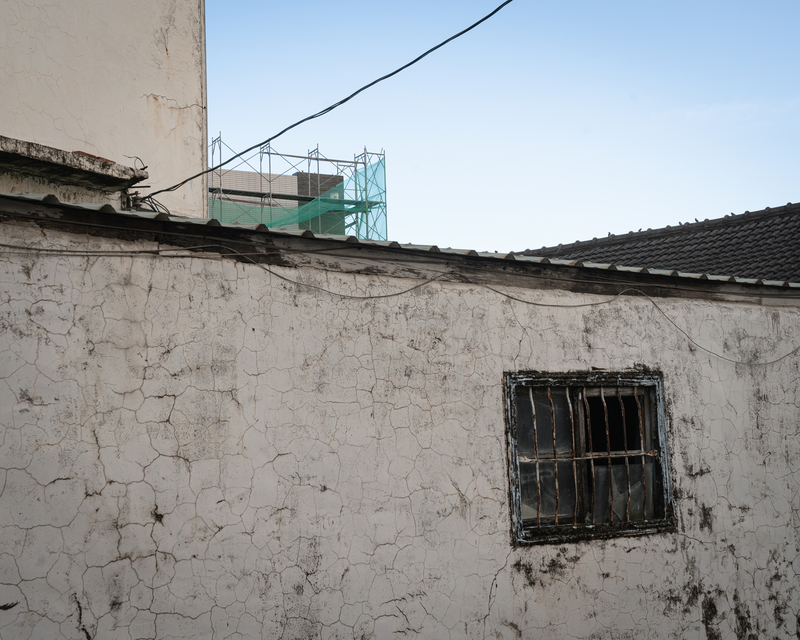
column 196, row 448
column 253, row 181
column 112, row 78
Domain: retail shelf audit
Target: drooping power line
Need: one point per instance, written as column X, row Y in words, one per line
column 319, row 114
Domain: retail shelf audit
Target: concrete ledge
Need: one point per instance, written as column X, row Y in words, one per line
column 65, row 167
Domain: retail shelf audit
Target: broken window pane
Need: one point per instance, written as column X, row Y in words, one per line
column 564, row 495
column 639, row 504
column 525, row 434
column 529, row 490
column 622, row 435
column 544, row 423
column 605, row 438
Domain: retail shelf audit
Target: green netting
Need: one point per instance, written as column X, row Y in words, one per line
column 372, row 181
column 356, row 206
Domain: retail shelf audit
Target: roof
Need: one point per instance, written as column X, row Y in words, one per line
column 761, row 244
column 48, row 210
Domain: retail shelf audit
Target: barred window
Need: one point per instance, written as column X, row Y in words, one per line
column 587, row 456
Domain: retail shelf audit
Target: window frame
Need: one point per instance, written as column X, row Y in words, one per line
column 527, row 532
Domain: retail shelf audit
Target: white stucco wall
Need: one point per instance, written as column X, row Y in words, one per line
column 194, row 448
column 112, row 78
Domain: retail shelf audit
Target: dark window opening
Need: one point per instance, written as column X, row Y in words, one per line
column 587, row 456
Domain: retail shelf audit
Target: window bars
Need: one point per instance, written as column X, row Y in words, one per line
column 586, row 455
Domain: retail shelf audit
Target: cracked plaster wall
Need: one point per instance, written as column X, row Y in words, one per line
column 193, row 448
column 112, row 78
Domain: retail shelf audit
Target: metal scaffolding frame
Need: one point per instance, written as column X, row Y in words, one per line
column 347, row 196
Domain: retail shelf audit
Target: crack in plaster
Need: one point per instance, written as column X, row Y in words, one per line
column 190, row 450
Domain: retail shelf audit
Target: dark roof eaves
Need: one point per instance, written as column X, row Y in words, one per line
column 212, row 227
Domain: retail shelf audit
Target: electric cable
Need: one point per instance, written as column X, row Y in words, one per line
column 663, row 313
column 785, row 292
column 327, row 109
column 713, row 353
column 16, row 249
column 346, row 296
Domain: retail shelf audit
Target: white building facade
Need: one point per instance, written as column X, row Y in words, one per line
column 114, row 79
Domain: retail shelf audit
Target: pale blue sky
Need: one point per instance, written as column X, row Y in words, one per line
column 551, row 122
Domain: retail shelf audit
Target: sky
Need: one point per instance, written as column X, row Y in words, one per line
column 553, row 121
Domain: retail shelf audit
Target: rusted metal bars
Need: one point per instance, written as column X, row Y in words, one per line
column 625, row 448
column 555, row 446
column 608, row 450
column 536, row 449
column 641, row 439
column 652, row 454
column 591, row 450
column 583, row 420
column 574, row 461
column 596, row 456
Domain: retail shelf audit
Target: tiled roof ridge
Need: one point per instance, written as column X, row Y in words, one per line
column 49, row 200
column 682, row 229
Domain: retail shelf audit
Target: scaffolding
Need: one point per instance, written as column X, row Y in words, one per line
column 284, row 191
